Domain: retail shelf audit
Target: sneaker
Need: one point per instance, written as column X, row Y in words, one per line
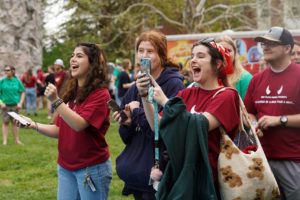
column 35, row 114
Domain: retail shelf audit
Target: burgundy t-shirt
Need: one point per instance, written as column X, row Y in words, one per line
column 77, row 150
column 277, row 94
column 29, row 83
column 224, row 106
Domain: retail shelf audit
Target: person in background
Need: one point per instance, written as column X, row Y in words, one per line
column 124, row 82
column 41, row 76
column 29, row 81
column 60, row 77
column 136, row 70
column 273, row 103
column 50, row 79
column 84, row 165
column 116, row 77
column 296, row 53
column 240, row 78
column 12, row 96
column 134, row 164
column 210, row 65
column 187, row 79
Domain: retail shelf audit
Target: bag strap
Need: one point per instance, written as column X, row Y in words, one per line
column 244, row 116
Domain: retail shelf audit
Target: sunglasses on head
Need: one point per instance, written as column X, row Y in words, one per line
column 210, row 41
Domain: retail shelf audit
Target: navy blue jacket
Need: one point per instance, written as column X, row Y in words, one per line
column 134, row 164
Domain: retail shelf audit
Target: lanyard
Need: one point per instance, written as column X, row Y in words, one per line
column 156, row 135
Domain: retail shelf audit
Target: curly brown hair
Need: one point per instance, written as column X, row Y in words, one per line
column 97, row 76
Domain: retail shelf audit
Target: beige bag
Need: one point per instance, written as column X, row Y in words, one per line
column 244, row 176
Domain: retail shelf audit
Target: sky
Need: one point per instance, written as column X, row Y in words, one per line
column 54, row 16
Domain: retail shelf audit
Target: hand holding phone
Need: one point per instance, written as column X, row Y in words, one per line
column 146, row 67
column 19, row 118
column 116, row 108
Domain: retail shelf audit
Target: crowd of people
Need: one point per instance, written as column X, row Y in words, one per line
column 152, row 130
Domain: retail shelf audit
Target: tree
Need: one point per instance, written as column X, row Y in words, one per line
column 116, row 24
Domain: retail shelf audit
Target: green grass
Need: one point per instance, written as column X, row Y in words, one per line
column 29, row 172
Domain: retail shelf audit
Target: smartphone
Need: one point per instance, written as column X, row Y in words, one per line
column 116, row 108
column 19, row 118
column 146, row 67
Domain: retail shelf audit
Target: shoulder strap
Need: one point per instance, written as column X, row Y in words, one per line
column 244, row 116
column 223, row 89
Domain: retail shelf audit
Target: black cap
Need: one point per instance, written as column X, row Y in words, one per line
column 277, row 34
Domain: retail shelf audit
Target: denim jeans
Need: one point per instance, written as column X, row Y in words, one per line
column 71, row 184
column 30, row 99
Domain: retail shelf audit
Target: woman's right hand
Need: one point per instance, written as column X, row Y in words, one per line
column 31, row 124
column 117, row 116
column 3, row 106
column 142, row 83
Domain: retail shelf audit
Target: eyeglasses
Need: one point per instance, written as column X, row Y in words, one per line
column 7, row 70
column 270, row 44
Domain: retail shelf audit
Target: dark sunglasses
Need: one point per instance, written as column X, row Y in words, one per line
column 7, row 70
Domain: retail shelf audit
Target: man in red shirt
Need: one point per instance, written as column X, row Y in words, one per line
column 273, row 102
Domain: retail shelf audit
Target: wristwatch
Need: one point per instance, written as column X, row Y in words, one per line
column 283, row 120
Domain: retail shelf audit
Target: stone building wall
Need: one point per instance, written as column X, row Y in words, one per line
column 21, row 33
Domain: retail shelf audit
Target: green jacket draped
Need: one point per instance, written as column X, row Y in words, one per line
column 188, row 174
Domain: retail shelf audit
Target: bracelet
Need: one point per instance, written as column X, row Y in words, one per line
column 57, row 103
column 36, row 127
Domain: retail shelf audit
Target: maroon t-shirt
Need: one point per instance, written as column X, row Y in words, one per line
column 28, row 83
column 224, row 106
column 77, row 150
column 277, row 94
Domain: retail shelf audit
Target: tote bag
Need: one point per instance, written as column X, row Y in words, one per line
column 244, row 176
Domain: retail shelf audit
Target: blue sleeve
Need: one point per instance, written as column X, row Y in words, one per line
column 126, row 133
column 171, row 88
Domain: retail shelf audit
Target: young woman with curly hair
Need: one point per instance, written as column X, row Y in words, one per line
column 84, row 166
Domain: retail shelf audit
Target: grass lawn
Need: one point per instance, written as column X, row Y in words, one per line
column 29, row 172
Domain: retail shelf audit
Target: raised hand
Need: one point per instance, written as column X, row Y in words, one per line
column 51, row 92
column 158, row 95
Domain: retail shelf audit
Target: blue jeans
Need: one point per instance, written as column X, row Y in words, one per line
column 30, row 99
column 71, row 184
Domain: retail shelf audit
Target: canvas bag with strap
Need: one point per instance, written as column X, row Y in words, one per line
column 244, row 176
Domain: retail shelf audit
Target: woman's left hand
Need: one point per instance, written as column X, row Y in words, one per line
column 51, row 93
column 158, row 95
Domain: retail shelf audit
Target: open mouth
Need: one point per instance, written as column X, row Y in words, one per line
column 75, row 67
column 196, row 70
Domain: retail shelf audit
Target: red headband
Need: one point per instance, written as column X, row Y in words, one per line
column 226, row 67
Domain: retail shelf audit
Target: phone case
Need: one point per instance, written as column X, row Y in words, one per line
column 115, row 107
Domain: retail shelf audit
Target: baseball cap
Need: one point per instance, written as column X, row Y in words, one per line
column 59, row 62
column 277, row 34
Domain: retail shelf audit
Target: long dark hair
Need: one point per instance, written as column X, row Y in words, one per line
column 97, row 76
